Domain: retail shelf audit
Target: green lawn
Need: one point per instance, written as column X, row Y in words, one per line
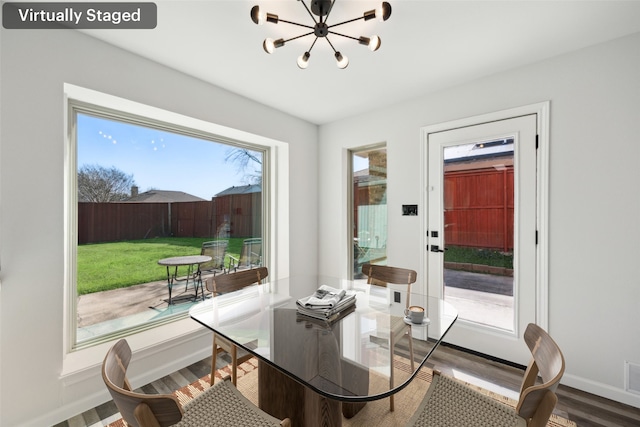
column 106, row 266
column 490, row 257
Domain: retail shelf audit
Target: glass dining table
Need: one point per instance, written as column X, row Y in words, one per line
column 313, row 371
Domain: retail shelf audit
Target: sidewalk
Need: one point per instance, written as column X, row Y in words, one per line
column 481, row 297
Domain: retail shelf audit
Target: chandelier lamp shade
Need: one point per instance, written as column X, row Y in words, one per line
column 319, row 11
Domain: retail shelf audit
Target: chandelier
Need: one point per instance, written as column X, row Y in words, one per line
column 319, row 12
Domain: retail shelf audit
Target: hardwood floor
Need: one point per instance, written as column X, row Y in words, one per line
column 585, row 409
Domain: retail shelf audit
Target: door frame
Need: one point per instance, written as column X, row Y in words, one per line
column 541, row 110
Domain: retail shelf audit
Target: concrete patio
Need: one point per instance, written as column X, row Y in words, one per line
column 480, row 297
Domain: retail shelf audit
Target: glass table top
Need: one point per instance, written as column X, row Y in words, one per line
column 348, row 359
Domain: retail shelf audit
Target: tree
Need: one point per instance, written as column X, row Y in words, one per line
column 243, row 158
column 101, row 184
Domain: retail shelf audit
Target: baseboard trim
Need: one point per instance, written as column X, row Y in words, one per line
column 602, row 390
column 199, row 343
column 596, row 388
column 484, row 356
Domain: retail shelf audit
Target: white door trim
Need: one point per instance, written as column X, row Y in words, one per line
column 542, row 197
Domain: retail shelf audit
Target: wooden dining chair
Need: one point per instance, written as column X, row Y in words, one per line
column 451, row 402
column 222, row 284
column 219, row 405
column 382, row 275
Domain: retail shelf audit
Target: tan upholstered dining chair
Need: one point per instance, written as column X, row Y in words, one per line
column 219, row 405
column 225, row 283
column 450, row 402
column 382, row 275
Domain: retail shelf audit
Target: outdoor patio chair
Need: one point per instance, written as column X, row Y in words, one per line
column 220, row 405
column 228, row 283
column 451, row 402
column 382, row 275
column 250, row 257
column 217, row 250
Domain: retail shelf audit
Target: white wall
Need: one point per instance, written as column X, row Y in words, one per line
column 594, row 227
column 35, row 65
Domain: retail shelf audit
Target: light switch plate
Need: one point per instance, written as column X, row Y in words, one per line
column 410, row 210
column 396, row 296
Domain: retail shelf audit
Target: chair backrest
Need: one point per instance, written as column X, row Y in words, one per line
column 538, row 400
column 224, row 283
column 251, row 254
column 382, row 275
column 137, row 409
column 217, row 250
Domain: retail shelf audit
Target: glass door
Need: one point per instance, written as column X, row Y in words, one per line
column 481, row 232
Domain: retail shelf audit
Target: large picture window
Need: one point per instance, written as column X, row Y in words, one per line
column 145, row 190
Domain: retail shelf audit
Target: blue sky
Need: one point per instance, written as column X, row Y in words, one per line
column 157, row 159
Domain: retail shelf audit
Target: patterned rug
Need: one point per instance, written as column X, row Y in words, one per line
column 374, row 413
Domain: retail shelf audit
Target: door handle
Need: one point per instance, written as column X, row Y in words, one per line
column 436, row 248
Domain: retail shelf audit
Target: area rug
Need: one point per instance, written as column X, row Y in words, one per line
column 374, row 413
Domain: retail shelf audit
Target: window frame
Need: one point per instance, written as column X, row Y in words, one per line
column 79, row 100
column 351, row 205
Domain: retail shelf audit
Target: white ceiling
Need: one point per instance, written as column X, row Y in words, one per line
column 426, row 46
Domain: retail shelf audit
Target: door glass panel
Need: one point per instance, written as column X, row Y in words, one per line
column 369, row 208
column 478, row 231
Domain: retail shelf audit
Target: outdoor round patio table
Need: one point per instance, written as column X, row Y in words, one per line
column 189, row 261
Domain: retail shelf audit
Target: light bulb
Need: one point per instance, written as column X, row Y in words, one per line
column 257, row 16
column 342, row 61
column 383, row 12
column 303, row 60
column 268, row 45
column 374, row 43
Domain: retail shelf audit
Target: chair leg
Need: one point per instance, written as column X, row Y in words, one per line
column 214, row 357
column 234, row 365
column 413, row 368
column 391, row 347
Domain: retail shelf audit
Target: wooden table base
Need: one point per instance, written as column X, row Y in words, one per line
column 283, row 397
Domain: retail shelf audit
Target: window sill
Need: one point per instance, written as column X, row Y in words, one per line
column 81, row 365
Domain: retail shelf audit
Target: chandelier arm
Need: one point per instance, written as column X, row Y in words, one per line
column 344, row 35
column 313, row 44
column 295, row 23
column 299, row 37
column 346, row 22
column 329, row 12
column 330, row 44
column 310, row 14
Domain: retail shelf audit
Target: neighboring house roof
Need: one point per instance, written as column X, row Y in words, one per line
column 243, row 189
column 152, row 196
column 477, row 151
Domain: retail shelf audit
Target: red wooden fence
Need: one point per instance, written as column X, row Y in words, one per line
column 478, row 213
column 237, row 215
column 479, row 208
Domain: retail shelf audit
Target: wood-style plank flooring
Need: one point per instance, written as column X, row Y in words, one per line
column 585, row 409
